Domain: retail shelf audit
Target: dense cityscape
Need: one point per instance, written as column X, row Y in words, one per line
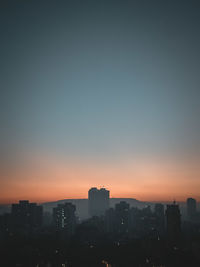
column 122, row 235
column 94, row 93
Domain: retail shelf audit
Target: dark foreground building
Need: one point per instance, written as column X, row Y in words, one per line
column 26, row 214
column 191, row 208
column 64, row 218
column 173, row 217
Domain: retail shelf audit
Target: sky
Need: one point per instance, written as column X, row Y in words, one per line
column 99, row 93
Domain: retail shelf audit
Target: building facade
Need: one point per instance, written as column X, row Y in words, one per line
column 191, row 208
column 98, row 201
column 173, row 219
column 26, row 214
column 64, row 217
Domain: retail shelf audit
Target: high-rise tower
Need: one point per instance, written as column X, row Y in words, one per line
column 173, row 223
column 64, row 217
column 26, row 214
column 191, row 208
column 98, row 201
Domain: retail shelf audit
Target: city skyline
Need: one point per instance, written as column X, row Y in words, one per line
column 106, row 236
column 100, row 133
column 110, row 196
column 49, row 181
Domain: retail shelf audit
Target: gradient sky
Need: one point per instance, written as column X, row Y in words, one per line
column 99, row 93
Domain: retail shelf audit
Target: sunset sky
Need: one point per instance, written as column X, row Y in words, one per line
column 99, row 93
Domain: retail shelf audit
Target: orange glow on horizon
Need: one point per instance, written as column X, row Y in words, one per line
column 42, row 179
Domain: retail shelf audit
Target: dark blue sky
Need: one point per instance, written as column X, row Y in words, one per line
column 101, row 79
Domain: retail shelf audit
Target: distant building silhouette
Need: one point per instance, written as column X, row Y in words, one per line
column 191, row 208
column 160, row 217
column 117, row 220
column 98, row 201
column 110, row 220
column 173, row 217
column 5, row 222
column 133, row 222
column 25, row 214
column 122, row 211
column 64, row 217
column 159, row 210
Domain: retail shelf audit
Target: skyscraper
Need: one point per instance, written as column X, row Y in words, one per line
column 110, row 220
column 122, row 220
column 173, row 223
column 160, row 217
column 191, row 208
column 98, row 201
column 64, row 217
column 25, row 214
column 159, row 210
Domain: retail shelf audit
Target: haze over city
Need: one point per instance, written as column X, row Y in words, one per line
column 100, row 93
column 100, row 133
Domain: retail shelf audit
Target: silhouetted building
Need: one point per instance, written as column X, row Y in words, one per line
column 160, row 217
column 110, row 220
column 131, row 222
column 98, row 201
column 135, row 218
column 26, row 214
column 191, row 208
column 143, row 222
column 159, row 210
column 5, row 222
column 64, row 217
column 122, row 220
column 117, row 220
column 173, row 217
